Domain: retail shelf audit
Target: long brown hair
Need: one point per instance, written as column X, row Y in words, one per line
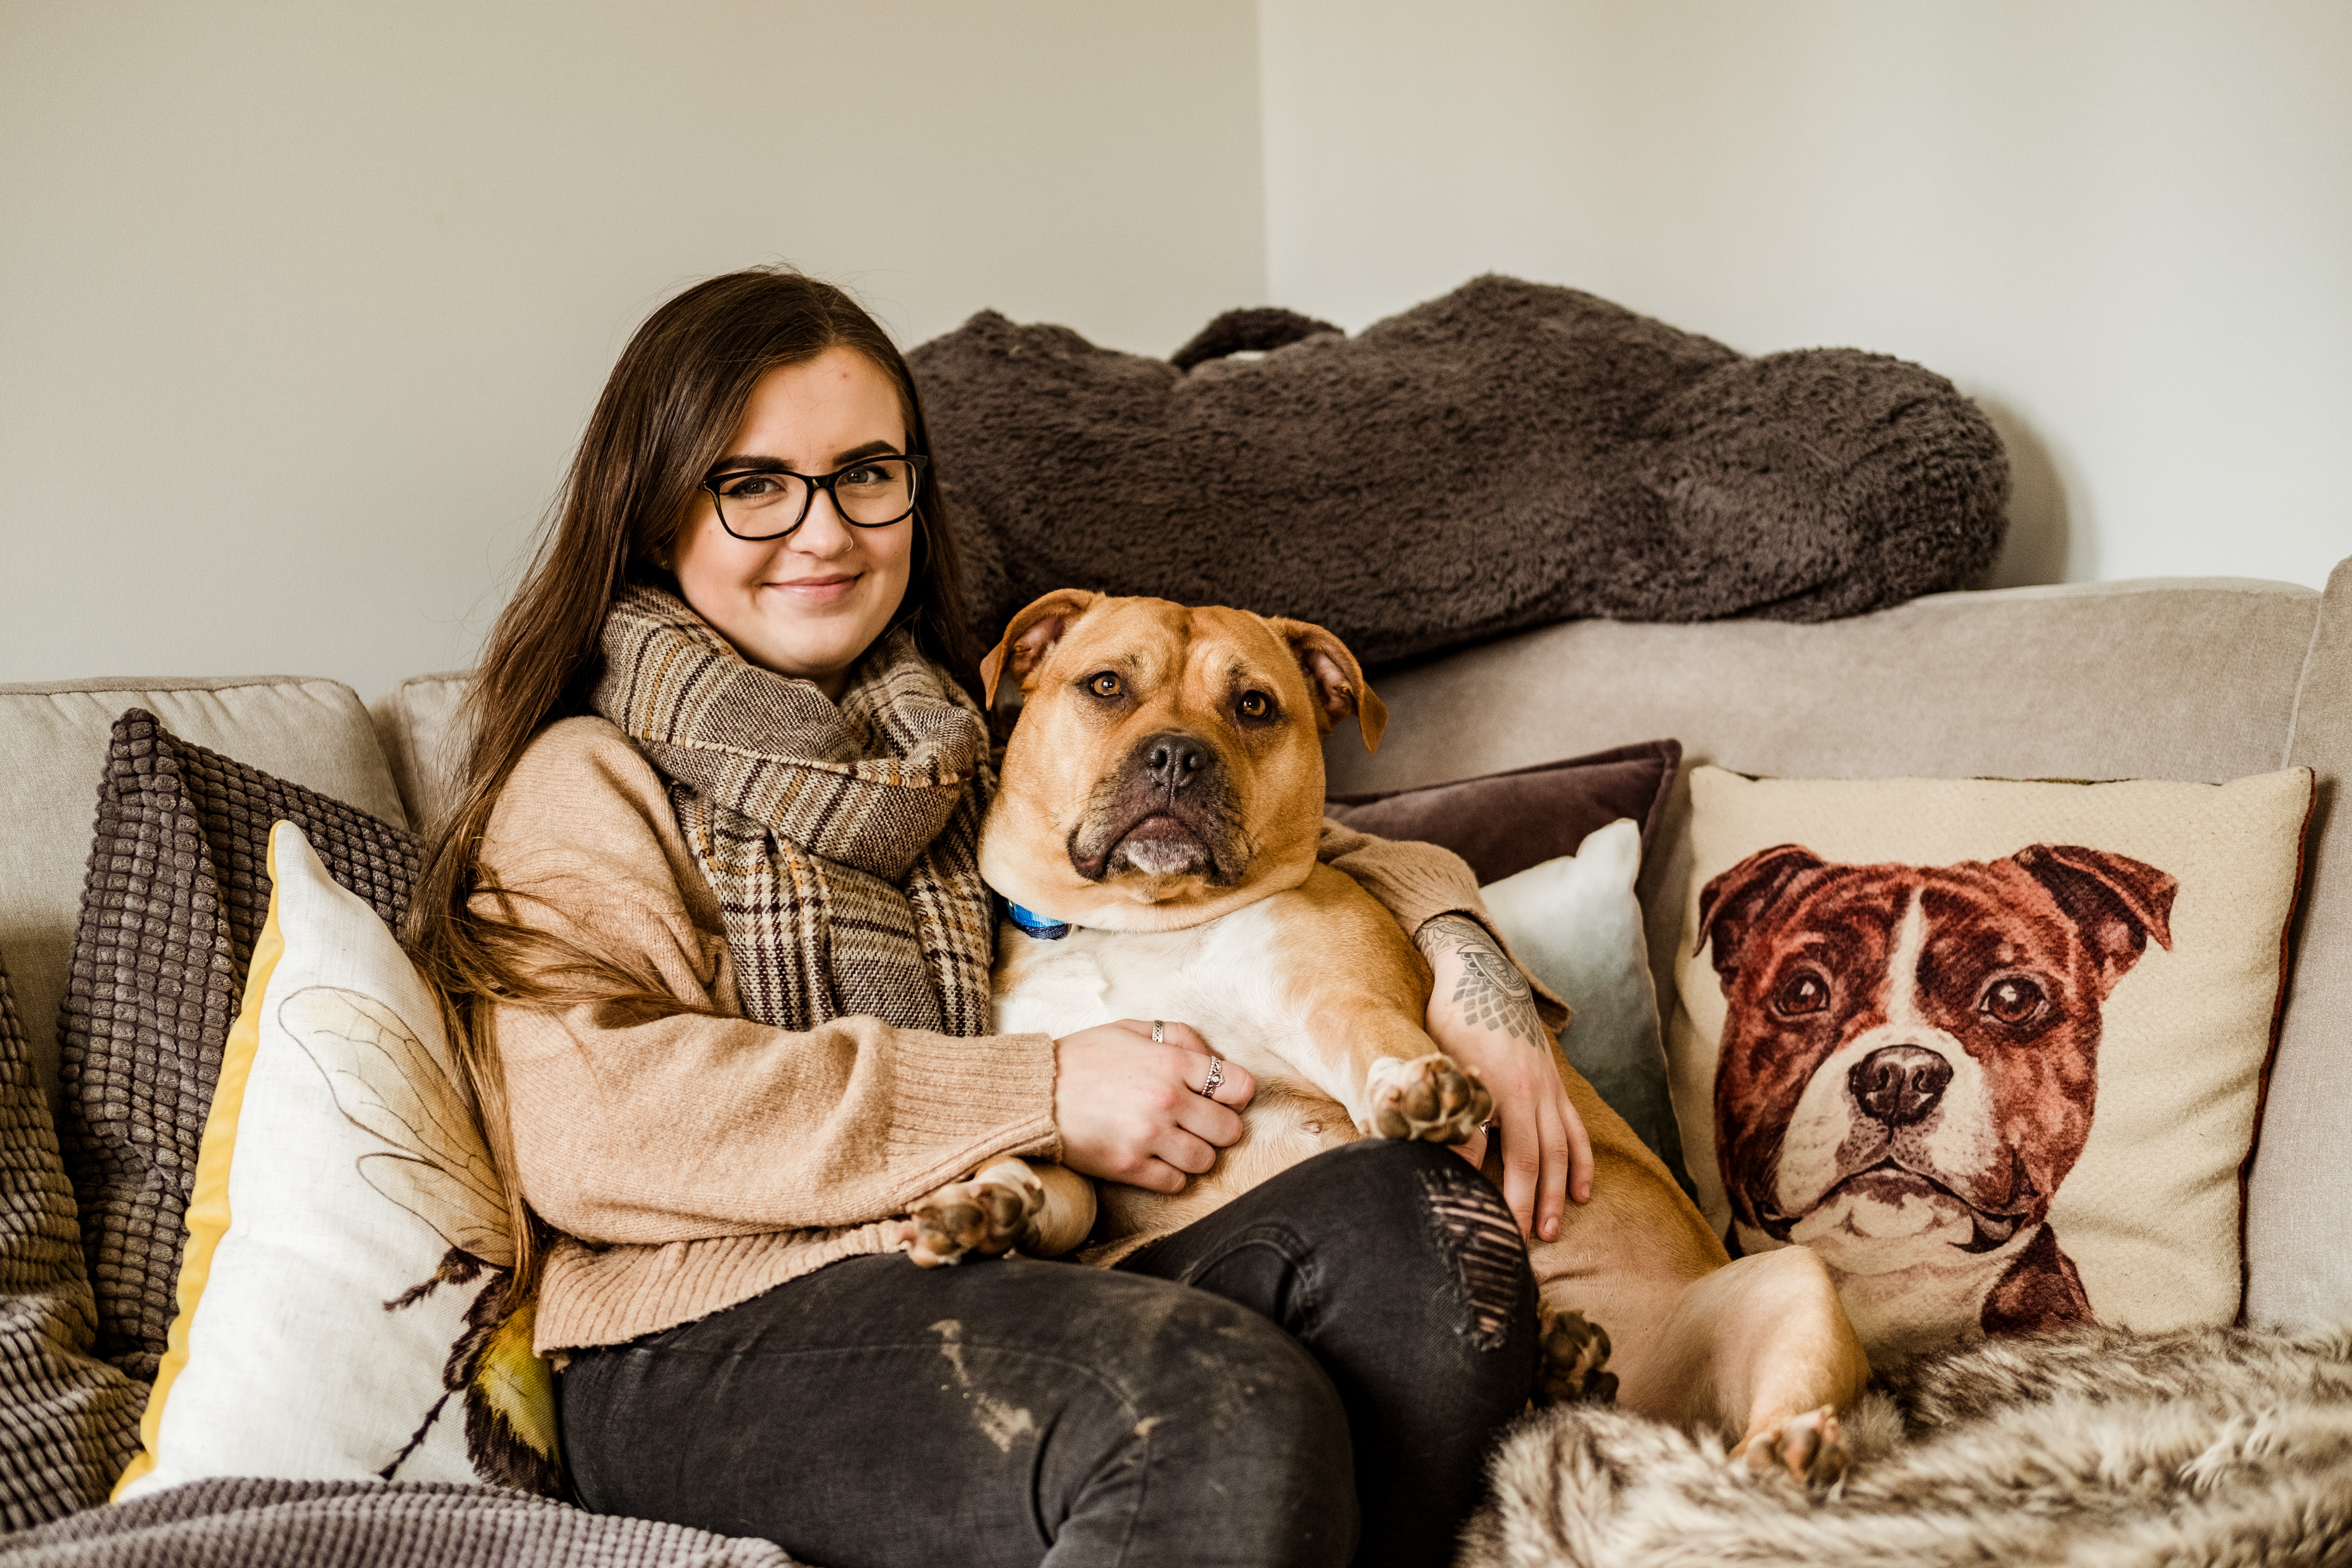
column 667, row 412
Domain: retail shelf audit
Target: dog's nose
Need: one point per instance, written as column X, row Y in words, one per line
column 1899, row 1084
column 1172, row 760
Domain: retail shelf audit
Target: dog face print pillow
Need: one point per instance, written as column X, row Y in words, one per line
column 1993, row 1050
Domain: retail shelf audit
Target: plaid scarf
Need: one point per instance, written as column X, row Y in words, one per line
column 842, row 841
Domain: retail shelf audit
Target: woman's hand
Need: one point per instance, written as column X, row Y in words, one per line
column 1130, row 1110
column 1482, row 1011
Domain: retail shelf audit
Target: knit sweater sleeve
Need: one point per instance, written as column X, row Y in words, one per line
column 1417, row 882
column 675, row 1118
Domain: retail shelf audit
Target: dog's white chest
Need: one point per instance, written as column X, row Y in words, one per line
column 1223, row 978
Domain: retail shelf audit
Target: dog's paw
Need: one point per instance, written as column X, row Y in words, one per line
column 987, row 1215
column 1570, row 1366
column 1432, row 1099
column 1810, row 1446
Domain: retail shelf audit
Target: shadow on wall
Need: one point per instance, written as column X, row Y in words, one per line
column 2038, row 547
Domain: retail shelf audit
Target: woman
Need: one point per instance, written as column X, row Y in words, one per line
column 709, row 915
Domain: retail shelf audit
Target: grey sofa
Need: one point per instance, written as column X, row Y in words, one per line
column 2200, row 679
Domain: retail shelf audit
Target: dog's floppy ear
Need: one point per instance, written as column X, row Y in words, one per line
column 1334, row 679
column 1728, row 905
column 2115, row 901
column 1030, row 635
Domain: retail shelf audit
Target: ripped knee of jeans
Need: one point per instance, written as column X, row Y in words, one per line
column 1482, row 1242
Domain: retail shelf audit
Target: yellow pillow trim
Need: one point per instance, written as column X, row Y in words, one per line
column 207, row 1215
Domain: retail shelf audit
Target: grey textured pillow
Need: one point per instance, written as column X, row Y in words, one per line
column 177, row 891
column 1511, row 454
column 68, row 1423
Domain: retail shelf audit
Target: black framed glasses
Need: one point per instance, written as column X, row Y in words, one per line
column 760, row 504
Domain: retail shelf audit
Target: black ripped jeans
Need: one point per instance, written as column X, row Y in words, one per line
column 1311, row 1375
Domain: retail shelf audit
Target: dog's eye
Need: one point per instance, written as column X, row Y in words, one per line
column 1106, row 685
column 1802, row 992
column 1254, row 705
column 2011, row 1000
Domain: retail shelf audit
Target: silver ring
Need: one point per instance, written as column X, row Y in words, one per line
column 1158, row 1033
column 1207, row 1089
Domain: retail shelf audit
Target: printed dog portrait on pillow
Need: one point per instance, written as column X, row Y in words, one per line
column 1993, row 1050
column 1909, row 1065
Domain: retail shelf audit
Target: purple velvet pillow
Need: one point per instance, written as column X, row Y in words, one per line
column 1504, row 823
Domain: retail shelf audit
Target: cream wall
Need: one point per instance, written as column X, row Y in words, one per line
column 302, row 304
column 2125, row 227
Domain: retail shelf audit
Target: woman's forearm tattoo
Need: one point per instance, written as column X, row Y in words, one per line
column 1491, row 993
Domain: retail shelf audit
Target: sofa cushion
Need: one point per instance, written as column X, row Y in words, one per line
column 174, row 899
column 417, row 722
column 53, row 746
column 68, row 1421
column 1994, row 1050
column 343, row 1198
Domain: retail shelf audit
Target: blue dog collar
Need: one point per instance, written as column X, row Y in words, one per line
column 1035, row 925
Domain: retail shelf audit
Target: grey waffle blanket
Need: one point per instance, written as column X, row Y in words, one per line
column 69, row 1422
column 357, row 1524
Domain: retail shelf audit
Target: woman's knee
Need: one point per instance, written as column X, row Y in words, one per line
column 1405, row 1211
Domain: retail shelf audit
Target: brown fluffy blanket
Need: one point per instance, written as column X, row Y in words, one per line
column 1511, row 454
column 2097, row 1447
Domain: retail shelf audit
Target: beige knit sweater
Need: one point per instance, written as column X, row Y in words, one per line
column 693, row 1159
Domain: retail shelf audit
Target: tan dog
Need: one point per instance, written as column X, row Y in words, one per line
column 1162, row 795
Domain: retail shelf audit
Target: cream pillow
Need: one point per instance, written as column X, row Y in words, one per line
column 1995, row 1050
column 342, row 1297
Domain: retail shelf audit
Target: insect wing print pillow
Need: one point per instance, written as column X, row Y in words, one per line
column 342, row 1301
column 1994, row 1050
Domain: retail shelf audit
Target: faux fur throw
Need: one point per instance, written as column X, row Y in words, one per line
column 2097, row 1447
column 1511, row 454
column 842, row 839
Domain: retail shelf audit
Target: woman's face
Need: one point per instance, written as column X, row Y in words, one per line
column 809, row 604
